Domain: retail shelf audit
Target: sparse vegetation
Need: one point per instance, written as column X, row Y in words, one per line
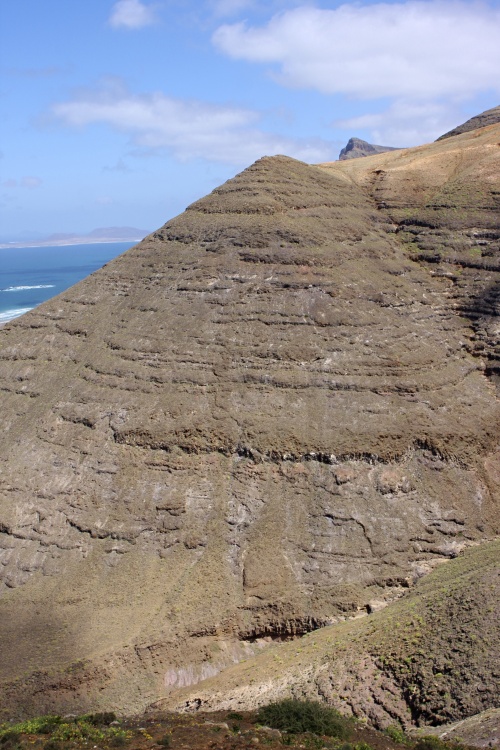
column 86, row 728
column 302, row 724
column 435, row 743
column 294, row 717
column 396, row 733
column 165, row 741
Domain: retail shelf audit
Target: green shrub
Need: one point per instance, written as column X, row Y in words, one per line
column 166, row 740
column 235, row 715
column 312, row 742
column 434, row 743
column 396, row 733
column 100, row 720
column 48, row 724
column 296, row 716
column 39, row 725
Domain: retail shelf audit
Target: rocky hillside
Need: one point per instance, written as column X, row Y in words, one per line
column 426, row 658
column 488, row 117
column 276, row 411
column 356, row 148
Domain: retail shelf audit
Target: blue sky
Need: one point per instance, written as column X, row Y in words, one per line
column 123, row 112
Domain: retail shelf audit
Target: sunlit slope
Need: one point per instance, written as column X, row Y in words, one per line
column 429, row 658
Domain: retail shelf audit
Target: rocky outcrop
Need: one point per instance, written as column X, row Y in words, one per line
column 480, row 730
column 430, row 658
column 488, row 117
column 356, row 148
column 272, row 412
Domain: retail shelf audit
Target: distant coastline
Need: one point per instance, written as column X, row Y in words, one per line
column 96, row 237
column 67, row 243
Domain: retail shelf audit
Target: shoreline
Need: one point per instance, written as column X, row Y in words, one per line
column 64, row 243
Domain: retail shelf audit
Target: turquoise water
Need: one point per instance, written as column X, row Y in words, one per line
column 32, row 275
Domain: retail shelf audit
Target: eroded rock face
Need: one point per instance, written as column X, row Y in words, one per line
column 265, row 415
column 356, row 148
column 427, row 659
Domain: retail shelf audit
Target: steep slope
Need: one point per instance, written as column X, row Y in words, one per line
column 265, row 415
column 488, row 117
column 479, row 730
column 430, row 657
column 443, row 204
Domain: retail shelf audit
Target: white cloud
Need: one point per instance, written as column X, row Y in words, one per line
column 417, row 50
column 131, row 14
column 188, row 129
column 405, row 123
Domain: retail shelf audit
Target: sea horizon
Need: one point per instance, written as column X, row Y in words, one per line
column 31, row 275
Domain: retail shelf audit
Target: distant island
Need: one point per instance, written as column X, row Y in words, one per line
column 102, row 234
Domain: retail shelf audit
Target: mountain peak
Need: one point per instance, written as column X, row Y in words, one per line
column 357, row 148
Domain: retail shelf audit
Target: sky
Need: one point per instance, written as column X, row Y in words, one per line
column 123, row 112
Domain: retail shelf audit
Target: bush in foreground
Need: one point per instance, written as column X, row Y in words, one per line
column 296, row 716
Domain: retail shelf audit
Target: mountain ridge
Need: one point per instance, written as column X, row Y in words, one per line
column 488, row 117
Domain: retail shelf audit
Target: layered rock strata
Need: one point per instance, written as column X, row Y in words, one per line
column 268, row 414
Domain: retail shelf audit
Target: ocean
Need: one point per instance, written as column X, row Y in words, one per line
column 32, row 275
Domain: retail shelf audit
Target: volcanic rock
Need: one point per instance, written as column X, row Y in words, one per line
column 488, row 117
column 274, row 410
column 356, row 148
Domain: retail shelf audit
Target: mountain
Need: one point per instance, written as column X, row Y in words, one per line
column 278, row 411
column 356, row 148
column 489, row 117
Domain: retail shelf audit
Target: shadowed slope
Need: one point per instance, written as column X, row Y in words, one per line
column 262, row 416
